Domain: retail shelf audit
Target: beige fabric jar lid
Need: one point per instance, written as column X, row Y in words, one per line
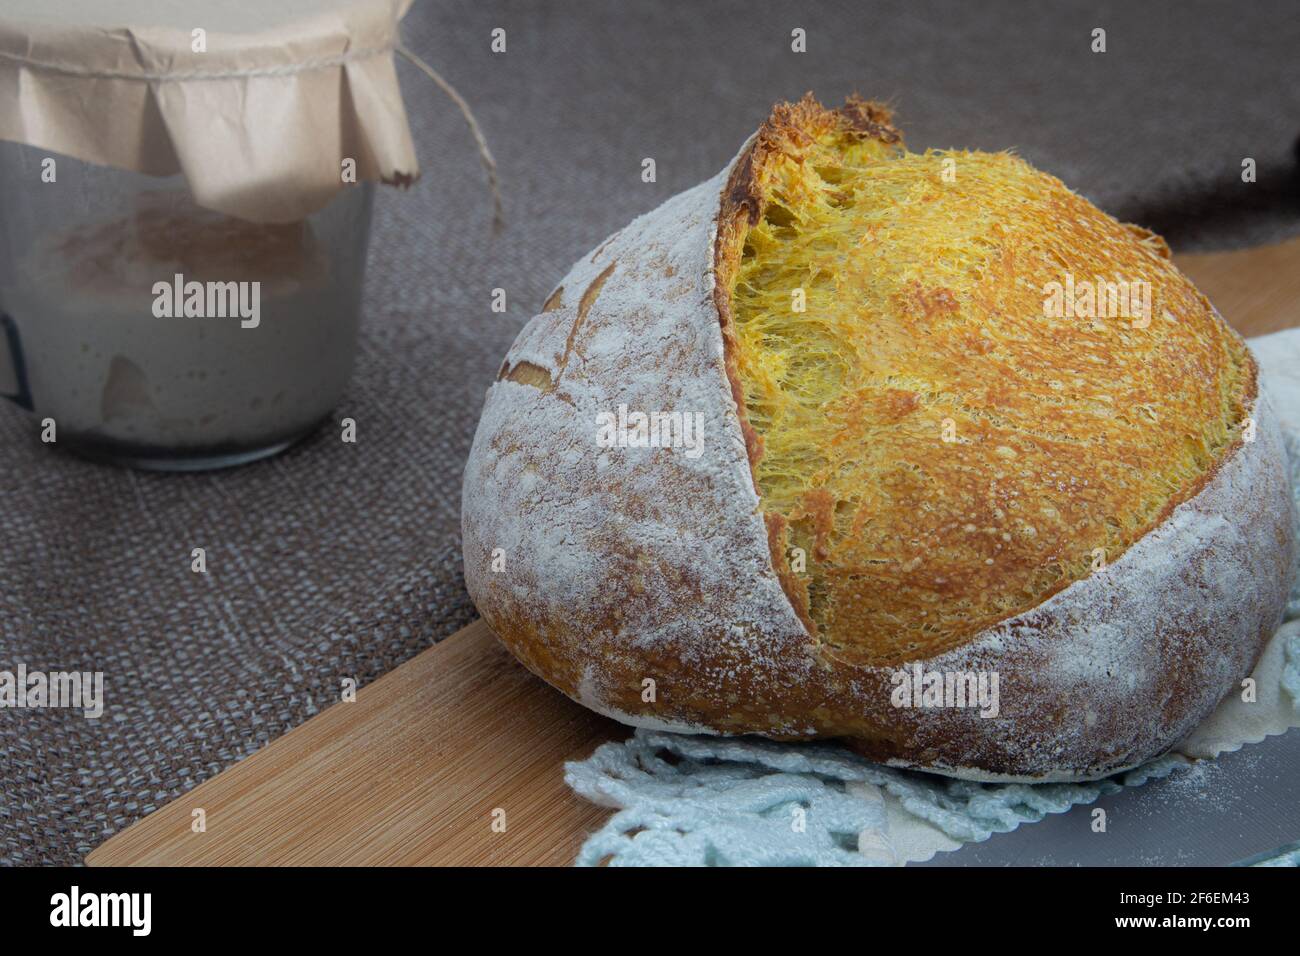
column 257, row 103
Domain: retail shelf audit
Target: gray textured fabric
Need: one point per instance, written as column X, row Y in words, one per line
column 338, row 560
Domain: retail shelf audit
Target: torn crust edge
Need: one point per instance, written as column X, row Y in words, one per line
column 790, row 131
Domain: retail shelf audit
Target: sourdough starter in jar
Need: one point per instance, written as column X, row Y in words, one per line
column 125, row 382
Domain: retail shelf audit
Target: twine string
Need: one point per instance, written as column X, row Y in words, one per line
column 484, row 153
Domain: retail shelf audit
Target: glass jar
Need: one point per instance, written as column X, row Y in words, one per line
column 157, row 334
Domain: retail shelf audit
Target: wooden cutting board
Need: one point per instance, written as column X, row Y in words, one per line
column 409, row 773
column 416, row 769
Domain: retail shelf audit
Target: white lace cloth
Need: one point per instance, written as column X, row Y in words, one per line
column 717, row 801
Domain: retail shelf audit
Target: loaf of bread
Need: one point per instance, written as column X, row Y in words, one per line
column 923, row 451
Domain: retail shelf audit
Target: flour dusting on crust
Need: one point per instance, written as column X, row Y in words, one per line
column 621, row 566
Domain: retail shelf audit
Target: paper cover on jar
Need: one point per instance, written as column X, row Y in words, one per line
column 258, row 104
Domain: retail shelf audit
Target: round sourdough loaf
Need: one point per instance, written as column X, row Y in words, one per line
column 919, row 450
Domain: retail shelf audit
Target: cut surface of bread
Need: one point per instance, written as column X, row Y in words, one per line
column 939, row 437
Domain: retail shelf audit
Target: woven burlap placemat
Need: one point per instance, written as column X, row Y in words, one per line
column 337, row 560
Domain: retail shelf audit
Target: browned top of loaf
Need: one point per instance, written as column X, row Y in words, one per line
column 1069, row 437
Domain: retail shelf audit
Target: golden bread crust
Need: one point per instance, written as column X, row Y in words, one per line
column 942, row 450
